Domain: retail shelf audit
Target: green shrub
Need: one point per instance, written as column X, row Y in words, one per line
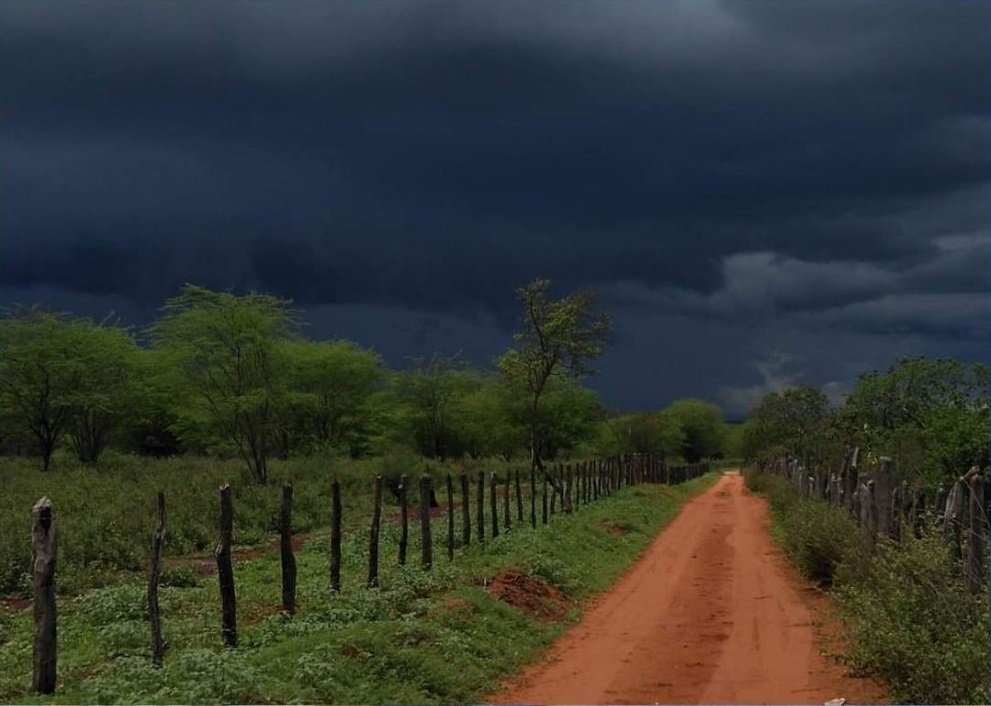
column 916, row 625
column 819, row 538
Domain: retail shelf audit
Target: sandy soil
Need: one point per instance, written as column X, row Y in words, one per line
column 712, row 613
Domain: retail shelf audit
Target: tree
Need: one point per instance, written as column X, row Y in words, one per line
column 795, row 421
column 645, row 432
column 702, row 424
column 330, row 385
column 486, row 422
column 104, row 394
column 38, row 375
column 226, row 349
column 557, row 340
column 929, row 414
column 430, row 390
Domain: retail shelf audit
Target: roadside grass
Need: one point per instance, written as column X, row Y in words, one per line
column 912, row 621
column 433, row 636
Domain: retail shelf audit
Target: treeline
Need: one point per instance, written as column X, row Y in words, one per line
column 226, row 375
column 931, row 416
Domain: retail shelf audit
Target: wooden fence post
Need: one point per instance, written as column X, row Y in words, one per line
column 225, row 568
column 335, row 536
column 507, row 520
column 45, row 551
column 403, row 520
column 450, row 518
column 480, row 507
column 373, row 536
column 494, row 502
column 426, row 540
column 285, row 551
column 154, row 573
column 465, row 510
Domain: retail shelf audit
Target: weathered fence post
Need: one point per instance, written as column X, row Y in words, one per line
column 285, row 550
column 507, row 520
column 45, row 550
column 450, row 518
column 426, row 540
column 494, row 502
column 154, row 573
column 373, row 536
column 225, row 569
column 465, row 510
column 480, row 507
column 335, row 536
column 403, row 520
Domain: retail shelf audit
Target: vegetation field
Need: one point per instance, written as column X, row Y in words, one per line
column 439, row 636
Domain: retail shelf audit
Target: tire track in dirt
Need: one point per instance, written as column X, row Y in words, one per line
column 710, row 614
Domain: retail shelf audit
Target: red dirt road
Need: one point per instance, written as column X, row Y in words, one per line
column 711, row 613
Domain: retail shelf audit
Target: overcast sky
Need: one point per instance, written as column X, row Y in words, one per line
column 764, row 193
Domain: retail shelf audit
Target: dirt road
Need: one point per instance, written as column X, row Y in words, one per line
column 712, row 613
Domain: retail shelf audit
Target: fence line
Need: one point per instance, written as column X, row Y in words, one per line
column 889, row 505
column 575, row 486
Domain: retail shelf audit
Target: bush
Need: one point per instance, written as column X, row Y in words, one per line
column 916, row 625
column 818, row 538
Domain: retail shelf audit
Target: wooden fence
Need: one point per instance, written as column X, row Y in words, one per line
column 889, row 505
column 562, row 489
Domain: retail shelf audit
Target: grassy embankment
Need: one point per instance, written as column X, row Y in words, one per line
column 911, row 619
column 437, row 636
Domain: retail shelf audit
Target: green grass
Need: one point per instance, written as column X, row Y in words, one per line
column 425, row 637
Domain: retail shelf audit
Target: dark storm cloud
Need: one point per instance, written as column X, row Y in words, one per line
column 822, row 162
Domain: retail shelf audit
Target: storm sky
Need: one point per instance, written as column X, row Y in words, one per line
column 763, row 193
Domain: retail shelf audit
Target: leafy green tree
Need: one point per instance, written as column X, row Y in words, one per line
column 795, row 421
column 104, row 396
column 654, row 432
column 557, row 340
column 486, row 421
column 227, row 350
column 932, row 415
column 39, row 375
column 151, row 427
column 702, row 424
column 329, row 403
column 430, row 390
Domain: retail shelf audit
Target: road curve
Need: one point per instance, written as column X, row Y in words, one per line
column 711, row 613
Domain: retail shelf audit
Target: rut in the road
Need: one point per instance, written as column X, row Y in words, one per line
column 710, row 614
